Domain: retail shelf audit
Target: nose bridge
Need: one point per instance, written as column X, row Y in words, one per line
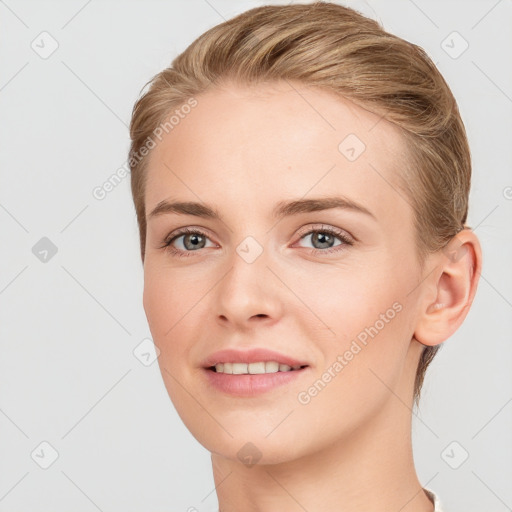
column 248, row 289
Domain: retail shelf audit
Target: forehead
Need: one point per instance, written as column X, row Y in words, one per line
column 261, row 143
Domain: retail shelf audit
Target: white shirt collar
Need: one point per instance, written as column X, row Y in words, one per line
column 434, row 499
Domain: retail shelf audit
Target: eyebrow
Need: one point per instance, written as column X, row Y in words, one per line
column 282, row 208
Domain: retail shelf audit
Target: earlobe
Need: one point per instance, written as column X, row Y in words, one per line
column 453, row 283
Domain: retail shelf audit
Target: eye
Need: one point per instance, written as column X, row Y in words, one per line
column 324, row 239
column 193, row 240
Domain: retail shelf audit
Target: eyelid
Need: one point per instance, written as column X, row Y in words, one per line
column 179, row 232
column 327, row 228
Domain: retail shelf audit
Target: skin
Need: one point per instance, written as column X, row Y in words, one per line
column 349, row 448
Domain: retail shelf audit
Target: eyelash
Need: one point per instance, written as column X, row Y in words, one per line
column 346, row 241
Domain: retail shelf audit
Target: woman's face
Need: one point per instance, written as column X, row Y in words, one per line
column 333, row 288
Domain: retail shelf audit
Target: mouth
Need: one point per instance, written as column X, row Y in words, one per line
column 252, row 372
column 254, row 368
column 250, row 380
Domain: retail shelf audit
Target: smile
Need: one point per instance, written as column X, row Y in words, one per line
column 254, row 368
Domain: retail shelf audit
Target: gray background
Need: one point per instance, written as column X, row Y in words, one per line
column 72, row 371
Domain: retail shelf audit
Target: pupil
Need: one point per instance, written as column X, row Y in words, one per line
column 194, row 239
column 323, row 238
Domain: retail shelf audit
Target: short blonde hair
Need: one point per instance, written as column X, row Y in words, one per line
column 339, row 50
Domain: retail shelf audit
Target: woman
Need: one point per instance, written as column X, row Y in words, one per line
column 301, row 180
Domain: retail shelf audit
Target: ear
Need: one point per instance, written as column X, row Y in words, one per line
column 451, row 288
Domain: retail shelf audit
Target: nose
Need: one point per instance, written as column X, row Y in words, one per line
column 249, row 294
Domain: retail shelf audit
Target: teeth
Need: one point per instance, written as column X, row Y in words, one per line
column 239, row 368
column 256, row 367
column 253, row 368
column 271, row 367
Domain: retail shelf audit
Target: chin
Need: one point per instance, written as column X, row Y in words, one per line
column 251, row 445
column 251, row 453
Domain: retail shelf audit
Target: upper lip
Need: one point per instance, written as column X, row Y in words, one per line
column 253, row 355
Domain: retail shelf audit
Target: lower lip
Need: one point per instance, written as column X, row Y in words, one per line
column 251, row 384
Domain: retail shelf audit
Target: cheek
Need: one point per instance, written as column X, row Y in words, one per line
column 166, row 303
column 361, row 366
column 167, row 298
column 176, row 307
column 348, row 300
column 368, row 314
column 158, row 302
